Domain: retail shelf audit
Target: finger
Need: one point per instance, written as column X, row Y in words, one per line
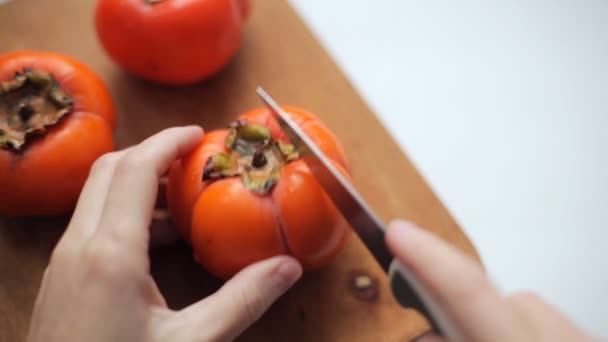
column 545, row 322
column 154, row 296
column 473, row 308
column 241, row 301
column 133, row 189
column 40, row 298
column 162, row 231
column 85, row 218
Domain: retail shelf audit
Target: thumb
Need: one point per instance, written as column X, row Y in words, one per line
column 243, row 299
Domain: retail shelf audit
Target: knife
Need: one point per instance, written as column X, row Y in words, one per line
column 407, row 290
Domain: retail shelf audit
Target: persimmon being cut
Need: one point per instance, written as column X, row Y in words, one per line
column 244, row 195
column 56, row 118
column 173, row 42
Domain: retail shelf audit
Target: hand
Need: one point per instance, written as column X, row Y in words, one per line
column 98, row 287
column 475, row 311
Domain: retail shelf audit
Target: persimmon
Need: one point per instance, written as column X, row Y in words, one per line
column 56, row 118
column 244, row 195
column 171, row 41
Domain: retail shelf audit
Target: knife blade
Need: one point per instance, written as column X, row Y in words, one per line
column 407, row 291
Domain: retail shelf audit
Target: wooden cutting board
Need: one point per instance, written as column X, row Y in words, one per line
column 323, row 306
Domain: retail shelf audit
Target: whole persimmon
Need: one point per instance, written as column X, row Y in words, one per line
column 172, row 42
column 245, row 195
column 56, row 118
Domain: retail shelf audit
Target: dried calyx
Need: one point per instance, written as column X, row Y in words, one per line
column 29, row 104
column 252, row 154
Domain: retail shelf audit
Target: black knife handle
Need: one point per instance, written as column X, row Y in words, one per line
column 410, row 294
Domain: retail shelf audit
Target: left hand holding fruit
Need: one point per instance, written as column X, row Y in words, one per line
column 98, row 286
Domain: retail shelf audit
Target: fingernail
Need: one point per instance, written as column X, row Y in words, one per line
column 287, row 273
column 400, row 232
column 195, row 127
column 401, row 226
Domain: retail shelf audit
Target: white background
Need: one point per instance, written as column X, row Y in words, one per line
column 503, row 106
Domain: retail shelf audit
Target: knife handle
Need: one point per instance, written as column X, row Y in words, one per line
column 409, row 293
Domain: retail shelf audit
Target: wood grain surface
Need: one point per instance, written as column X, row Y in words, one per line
column 280, row 54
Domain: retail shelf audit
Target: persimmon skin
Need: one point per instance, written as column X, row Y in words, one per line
column 225, row 240
column 171, row 42
column 184, row 186
column 230, row 227
column 46, row 177
column 312, row 226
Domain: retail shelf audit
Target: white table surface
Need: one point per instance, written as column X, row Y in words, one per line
column 503, row 107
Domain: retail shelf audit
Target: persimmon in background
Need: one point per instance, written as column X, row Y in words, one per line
column 56, row 119
column 245, row 195
column 171, row 42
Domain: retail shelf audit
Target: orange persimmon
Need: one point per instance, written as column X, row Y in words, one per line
column 171, row 41
column 56, row 118
column 244, row 195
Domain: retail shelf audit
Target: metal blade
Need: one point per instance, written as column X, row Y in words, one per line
column 354, row 209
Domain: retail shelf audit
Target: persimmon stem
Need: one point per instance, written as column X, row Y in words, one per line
column 259, row 159
column 253, row 154
column 153, row 2
column 30, row 103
